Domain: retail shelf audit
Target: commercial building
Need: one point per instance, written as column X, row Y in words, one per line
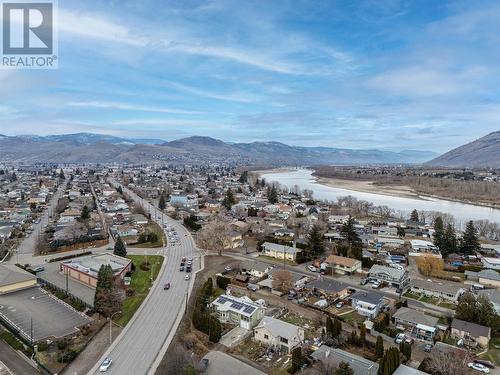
column 13, row 279
column 85, row 269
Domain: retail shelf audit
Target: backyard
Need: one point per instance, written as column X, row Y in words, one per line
column 139, row 284
column 159, row 235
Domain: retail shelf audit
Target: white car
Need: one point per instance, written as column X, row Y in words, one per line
column 105, row 365
column 312, row 268
column 479, row 367
column 399, row 338
column 186, row 277
column 228, row 268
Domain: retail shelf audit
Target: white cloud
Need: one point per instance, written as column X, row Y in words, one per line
column 131, row 107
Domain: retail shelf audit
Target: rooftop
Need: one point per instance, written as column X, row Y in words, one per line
column 279, row 328
column 92, row 263
column 472, row 328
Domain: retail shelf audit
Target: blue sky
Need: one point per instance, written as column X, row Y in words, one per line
column 389, row 74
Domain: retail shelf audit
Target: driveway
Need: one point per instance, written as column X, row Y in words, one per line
column 222, row 363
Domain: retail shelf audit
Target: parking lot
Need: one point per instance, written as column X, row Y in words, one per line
column 52, row 275
column 34, row 310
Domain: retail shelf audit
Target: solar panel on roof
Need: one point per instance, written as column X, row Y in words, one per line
column 222, row 300
column 237, row 305
column 249, row 309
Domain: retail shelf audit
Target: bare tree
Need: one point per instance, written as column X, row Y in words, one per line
column 282, row 280
column 449, row 363
column 215, row 236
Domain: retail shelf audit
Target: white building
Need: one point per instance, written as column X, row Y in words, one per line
column 238, row 310
column 421, row 247
column 278, row 334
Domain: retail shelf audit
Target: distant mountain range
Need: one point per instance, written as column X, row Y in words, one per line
column 483, row 152
column 98, row 148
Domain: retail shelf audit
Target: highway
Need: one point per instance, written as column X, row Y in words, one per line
column 138, row 349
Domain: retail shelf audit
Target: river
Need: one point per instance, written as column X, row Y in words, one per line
column 460, row 211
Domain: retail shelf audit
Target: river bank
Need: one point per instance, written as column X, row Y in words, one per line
column 366, row 190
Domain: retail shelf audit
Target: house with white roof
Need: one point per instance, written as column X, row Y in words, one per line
column 421, row 248
column 237, row 310
column 491, row 263
column 278, row 334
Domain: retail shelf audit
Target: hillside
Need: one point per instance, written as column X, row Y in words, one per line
column 97, row 148
column 483, row 152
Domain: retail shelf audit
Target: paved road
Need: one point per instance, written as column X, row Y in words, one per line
column 16, row 364
column 138, row 346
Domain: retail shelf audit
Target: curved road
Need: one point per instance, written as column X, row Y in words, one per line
column 138, row 348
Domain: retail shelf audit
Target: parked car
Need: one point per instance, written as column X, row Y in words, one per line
column 227, row 268
column 105, row 365
column 166, row 286
column 186, row 277
column 399, row 338
column 312, row 268
column 252, row 287
column 181, row 269
column 478, row 367
column 428, row 348
column 339, row 305
column 363, row 281
column 375, row 285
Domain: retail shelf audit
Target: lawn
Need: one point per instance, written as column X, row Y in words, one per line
column 140, row 284
column 353, row 319
column 155, row 228
column 493, row 354
column 277, row 261
column 412, row 295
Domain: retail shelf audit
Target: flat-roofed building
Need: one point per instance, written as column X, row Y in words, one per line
column 13, row 279
column 85, row 269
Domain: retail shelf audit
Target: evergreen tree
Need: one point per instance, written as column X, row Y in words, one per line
column 401, row 231
column 85, row 215
column 344, row 369
column 215, row 331
column 439, row 233
column 414, row 216
column 449, row 241
column 329, row 326
column 272, row 194
column 229, row 199
column 106, row 299
column 469, row 243
column 296, row 359
column 348, row 230
column 337, row 327
column 120, row 248
column 379, row 347
column 405, row 349
column 244, row 177
column 315, row 243
column 389, row 362
column 162, row 202
column 61, row 174
column 362, row 335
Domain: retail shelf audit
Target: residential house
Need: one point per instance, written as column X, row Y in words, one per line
column 422, row 247
column 238, row 310
column 278, row 251
column 491, row 263
column 256, row 269
column 472, row 334
column 437, row 289
column 494, row 296
column 278, row 334
column 484, row 277
column 393, row 276
column 417, row 324
column 329, row 288
column 333, row 357
column 405, row 370
column 368, row 304
column 341, row 265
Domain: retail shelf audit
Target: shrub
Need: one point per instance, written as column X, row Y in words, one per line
column 67, row 357
column 222, row 282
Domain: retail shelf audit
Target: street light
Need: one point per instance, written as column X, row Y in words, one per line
column 111, row 324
